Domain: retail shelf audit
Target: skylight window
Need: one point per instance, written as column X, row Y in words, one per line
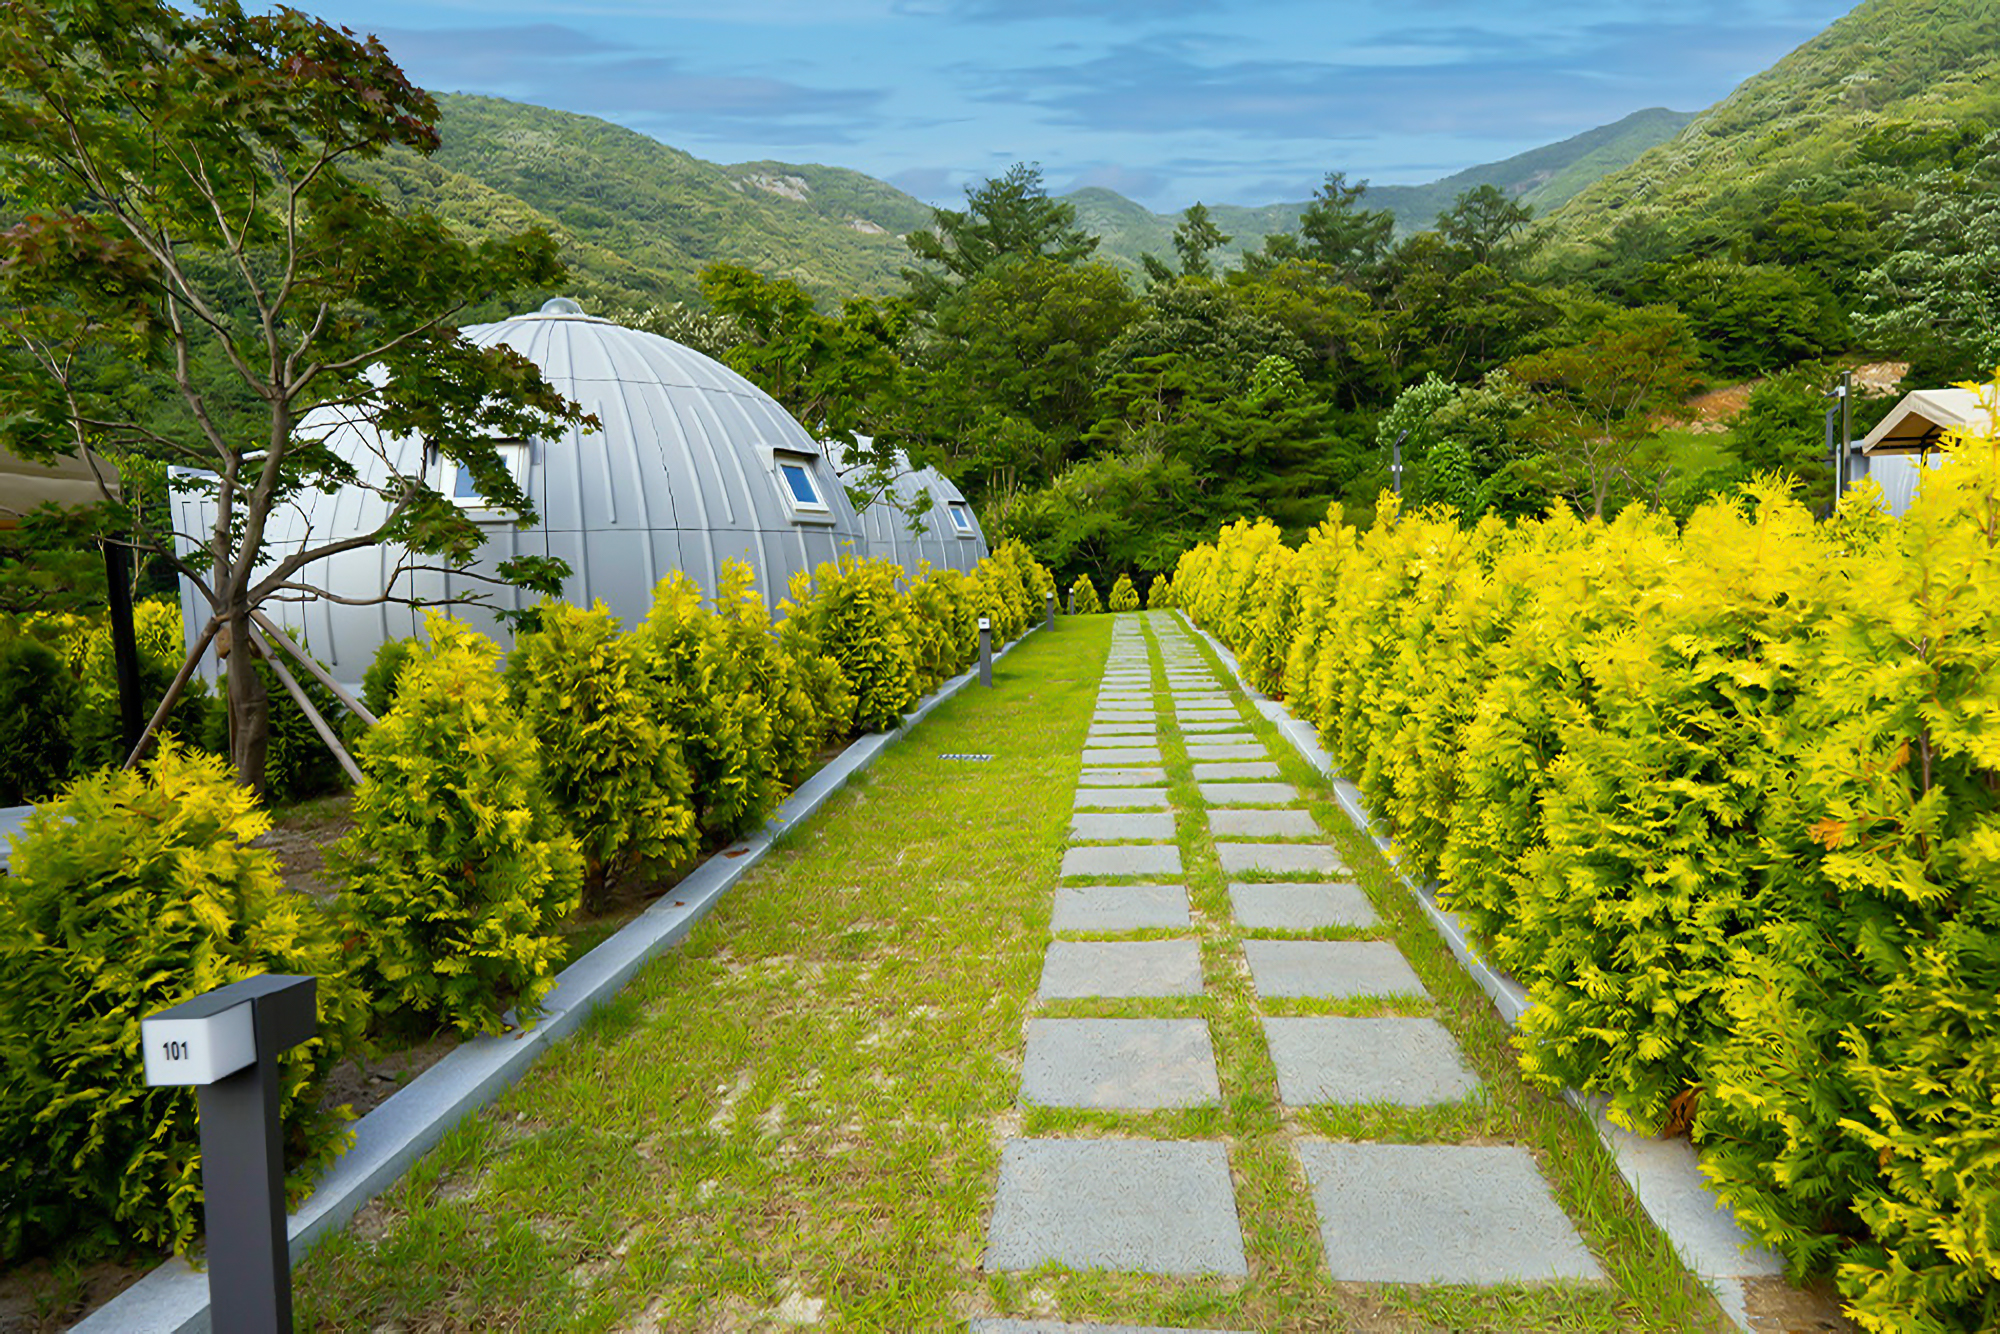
column 961, row 518
column 465, row 492
column 801, row 484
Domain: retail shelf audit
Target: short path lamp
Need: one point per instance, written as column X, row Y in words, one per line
column 1049, row 609
column 986, row 650
column 227, row 1043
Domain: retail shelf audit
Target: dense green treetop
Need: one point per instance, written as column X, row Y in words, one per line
column 1008, row 217
column 195, row 269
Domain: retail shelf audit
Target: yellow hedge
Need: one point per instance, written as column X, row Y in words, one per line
column 1726, row 799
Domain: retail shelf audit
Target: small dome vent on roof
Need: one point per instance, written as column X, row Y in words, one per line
column 561, row 305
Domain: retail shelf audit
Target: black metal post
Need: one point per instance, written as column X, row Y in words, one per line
column 243, row 1202
column 1846, row 430
column 1396, row 462
column 242, row 1141
column 985, row 651
column 124, row 642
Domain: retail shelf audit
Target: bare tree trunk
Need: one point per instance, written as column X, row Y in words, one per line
column 249, row 705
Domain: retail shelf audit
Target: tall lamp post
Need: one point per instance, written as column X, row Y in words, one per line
column 1842, row 396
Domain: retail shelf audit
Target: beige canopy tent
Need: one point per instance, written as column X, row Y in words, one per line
column 1918, row 424
column 71, row 481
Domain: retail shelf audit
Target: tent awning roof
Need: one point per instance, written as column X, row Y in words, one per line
column 69, row 481
column 1918, row 423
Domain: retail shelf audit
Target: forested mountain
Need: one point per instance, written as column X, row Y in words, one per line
column 1883, row 93
column 1542, row 178
column 640, row 219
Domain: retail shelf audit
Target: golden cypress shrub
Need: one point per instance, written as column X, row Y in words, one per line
column 458, row 871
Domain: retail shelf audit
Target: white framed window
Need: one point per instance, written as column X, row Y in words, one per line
column 798, row 479
column 465, row 493
column 961, row 518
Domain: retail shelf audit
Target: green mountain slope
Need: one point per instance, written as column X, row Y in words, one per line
column 1891, row 66
column 1545, row 177
column 640, row 220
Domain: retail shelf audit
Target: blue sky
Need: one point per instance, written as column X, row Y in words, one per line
column 1167, row 101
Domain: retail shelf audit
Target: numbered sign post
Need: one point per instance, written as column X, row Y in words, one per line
column 226, row 1044
column 986, row 650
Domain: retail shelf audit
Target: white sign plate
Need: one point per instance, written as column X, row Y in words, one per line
column 198, row 1051
column 986, row 623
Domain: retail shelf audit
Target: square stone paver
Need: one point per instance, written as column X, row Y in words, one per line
column 1280, row 858
column 1300, row 907
column 1079, row 968
column 1230, row 735
column 1098, row 730
column 1205, row 726
column 1119, row 907
column 1137, row 1064
column 1247, row 794
column 1208, row 713
column 1137, row 777
column 1439, row 1213
column 1122, row 755
column 1121, row 797
column 1408, row 1062
column 1152, row 826
column 1262, row 824
column 1211, row 750
column 1335, row 968
column 1136, row 1206
column 1122, row 859
column 1224, row 772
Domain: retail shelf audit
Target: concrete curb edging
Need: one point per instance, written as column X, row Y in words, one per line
column 1665, row 1175
column 173, row 1298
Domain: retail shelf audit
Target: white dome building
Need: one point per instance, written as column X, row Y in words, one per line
column 947, row 535
column 693, row 466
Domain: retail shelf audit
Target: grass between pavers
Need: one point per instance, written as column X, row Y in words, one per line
column 1649, row 1289
column 796, row 1118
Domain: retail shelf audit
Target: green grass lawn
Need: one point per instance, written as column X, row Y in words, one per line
column 796, row 1117
column 1695, row 452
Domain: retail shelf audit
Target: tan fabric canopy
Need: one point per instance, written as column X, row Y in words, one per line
column 24, row 485
column 1918, row 423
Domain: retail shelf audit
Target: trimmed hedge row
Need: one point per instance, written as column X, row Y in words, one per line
column 492, row 803
column 1726, row 799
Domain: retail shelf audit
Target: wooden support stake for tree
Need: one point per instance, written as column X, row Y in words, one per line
column 299, row 655
column 298, row 694
column 173, row 695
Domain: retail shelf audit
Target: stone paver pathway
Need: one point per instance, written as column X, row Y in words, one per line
column 1124, row 928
